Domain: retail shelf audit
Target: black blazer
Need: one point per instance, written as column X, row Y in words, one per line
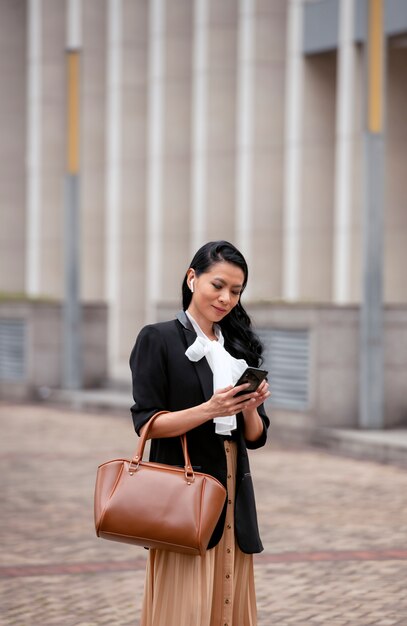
column 165, row 379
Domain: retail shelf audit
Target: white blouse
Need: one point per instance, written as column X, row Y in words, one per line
column 225, row 368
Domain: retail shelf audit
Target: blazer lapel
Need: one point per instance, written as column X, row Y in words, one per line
column 202, row 368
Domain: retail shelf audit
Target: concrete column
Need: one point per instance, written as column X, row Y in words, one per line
column 72, row 360
column 371, row 400
column 293, row 139
column 244, row 141
column 155, row 156
column 345, row 110
column 199, row 127
column 113, row 176
column 34, row 133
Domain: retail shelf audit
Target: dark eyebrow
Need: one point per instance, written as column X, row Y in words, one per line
column 224, row 283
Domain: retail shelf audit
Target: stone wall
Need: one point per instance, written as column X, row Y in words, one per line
column 37, row 348
column 334, row 362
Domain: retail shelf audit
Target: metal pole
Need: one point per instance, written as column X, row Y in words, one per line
column 72, row 307
column 371, row 401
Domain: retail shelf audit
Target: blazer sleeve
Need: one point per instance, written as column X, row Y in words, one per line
column 253, row 445
column 148, row 364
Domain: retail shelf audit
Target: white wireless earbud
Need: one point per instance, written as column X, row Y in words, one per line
column 191, row 285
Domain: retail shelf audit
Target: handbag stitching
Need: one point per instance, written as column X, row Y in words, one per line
column 200, row 513
column 106, row 532
column 110, row 496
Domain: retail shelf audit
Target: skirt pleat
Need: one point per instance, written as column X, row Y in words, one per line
column 216, row 589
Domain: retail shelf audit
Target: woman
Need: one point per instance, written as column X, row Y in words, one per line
column 188, row 367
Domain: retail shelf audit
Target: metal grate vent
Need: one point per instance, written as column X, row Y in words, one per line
column 286, row 357
column 12, row 349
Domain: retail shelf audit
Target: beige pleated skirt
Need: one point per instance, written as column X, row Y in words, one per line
column 214, row 590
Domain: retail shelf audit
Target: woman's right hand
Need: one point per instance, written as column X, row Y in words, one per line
column 224, row 401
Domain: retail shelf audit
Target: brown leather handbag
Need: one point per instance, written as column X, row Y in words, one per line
column 156, row 505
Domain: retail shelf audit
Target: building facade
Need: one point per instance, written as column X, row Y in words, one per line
column 201, row 120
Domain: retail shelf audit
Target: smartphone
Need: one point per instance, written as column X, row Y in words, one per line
column 252, row 375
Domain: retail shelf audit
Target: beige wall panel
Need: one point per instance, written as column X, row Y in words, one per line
column 177, row 118
column 93, row 150
column 356, row 269
column 317, row 188
column 94, row 16
column 12, row 232
column 53, row 146
column 270, row 37
column 52, row 217
column 133, row 252
column 93, row 234
column 177, row 128
column 267, row 237
column 319, row 98
column 135, row 23
column 93, row 131
column 52, row 277
column 222, row 48
column 133, row 173
column 54, row 133
column 53, row 28
column 134, row 65
column 357, row 181
column 221, row 196
column 275, row 7
column 316, row 213
column 316, row 268
column 265, row 266
column 176, row 186
column 223, row 13
column 269, row 108
column 316, row 245
column 221, row 121
column 178, row 57
column 176, row 220
column 268, row 158
column 222, row 78
column 396, row 177
column 179, row 17
column 13, row 76
column 134, row 112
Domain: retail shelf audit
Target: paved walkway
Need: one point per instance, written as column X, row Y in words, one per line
column 334, row 530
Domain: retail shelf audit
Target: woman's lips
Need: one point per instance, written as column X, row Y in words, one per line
column 218, row 309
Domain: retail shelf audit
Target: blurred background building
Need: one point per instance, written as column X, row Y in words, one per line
column 201, row 120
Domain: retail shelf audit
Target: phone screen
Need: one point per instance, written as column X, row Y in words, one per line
column 252, row 375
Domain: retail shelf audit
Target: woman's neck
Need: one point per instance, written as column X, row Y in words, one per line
column 205, row 325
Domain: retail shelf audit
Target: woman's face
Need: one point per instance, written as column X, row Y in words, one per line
column 216, row 292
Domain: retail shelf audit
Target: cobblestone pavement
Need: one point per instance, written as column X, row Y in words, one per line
column 334, row 530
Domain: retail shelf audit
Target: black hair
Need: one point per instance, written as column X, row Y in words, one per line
column 236, row 326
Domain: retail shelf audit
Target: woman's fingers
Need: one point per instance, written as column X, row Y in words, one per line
column 226, row 401
column 262, row 388
column 239, row 388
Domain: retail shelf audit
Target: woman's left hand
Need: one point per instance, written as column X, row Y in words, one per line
column 253, row 422
column 262, row 393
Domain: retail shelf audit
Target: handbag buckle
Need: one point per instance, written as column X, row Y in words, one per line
column 133, row 465
column 189, row 475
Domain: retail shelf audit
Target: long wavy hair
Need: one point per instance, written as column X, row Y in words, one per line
column 236, row 326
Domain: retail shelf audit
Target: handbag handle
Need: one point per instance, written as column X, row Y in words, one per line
column 138, row 457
